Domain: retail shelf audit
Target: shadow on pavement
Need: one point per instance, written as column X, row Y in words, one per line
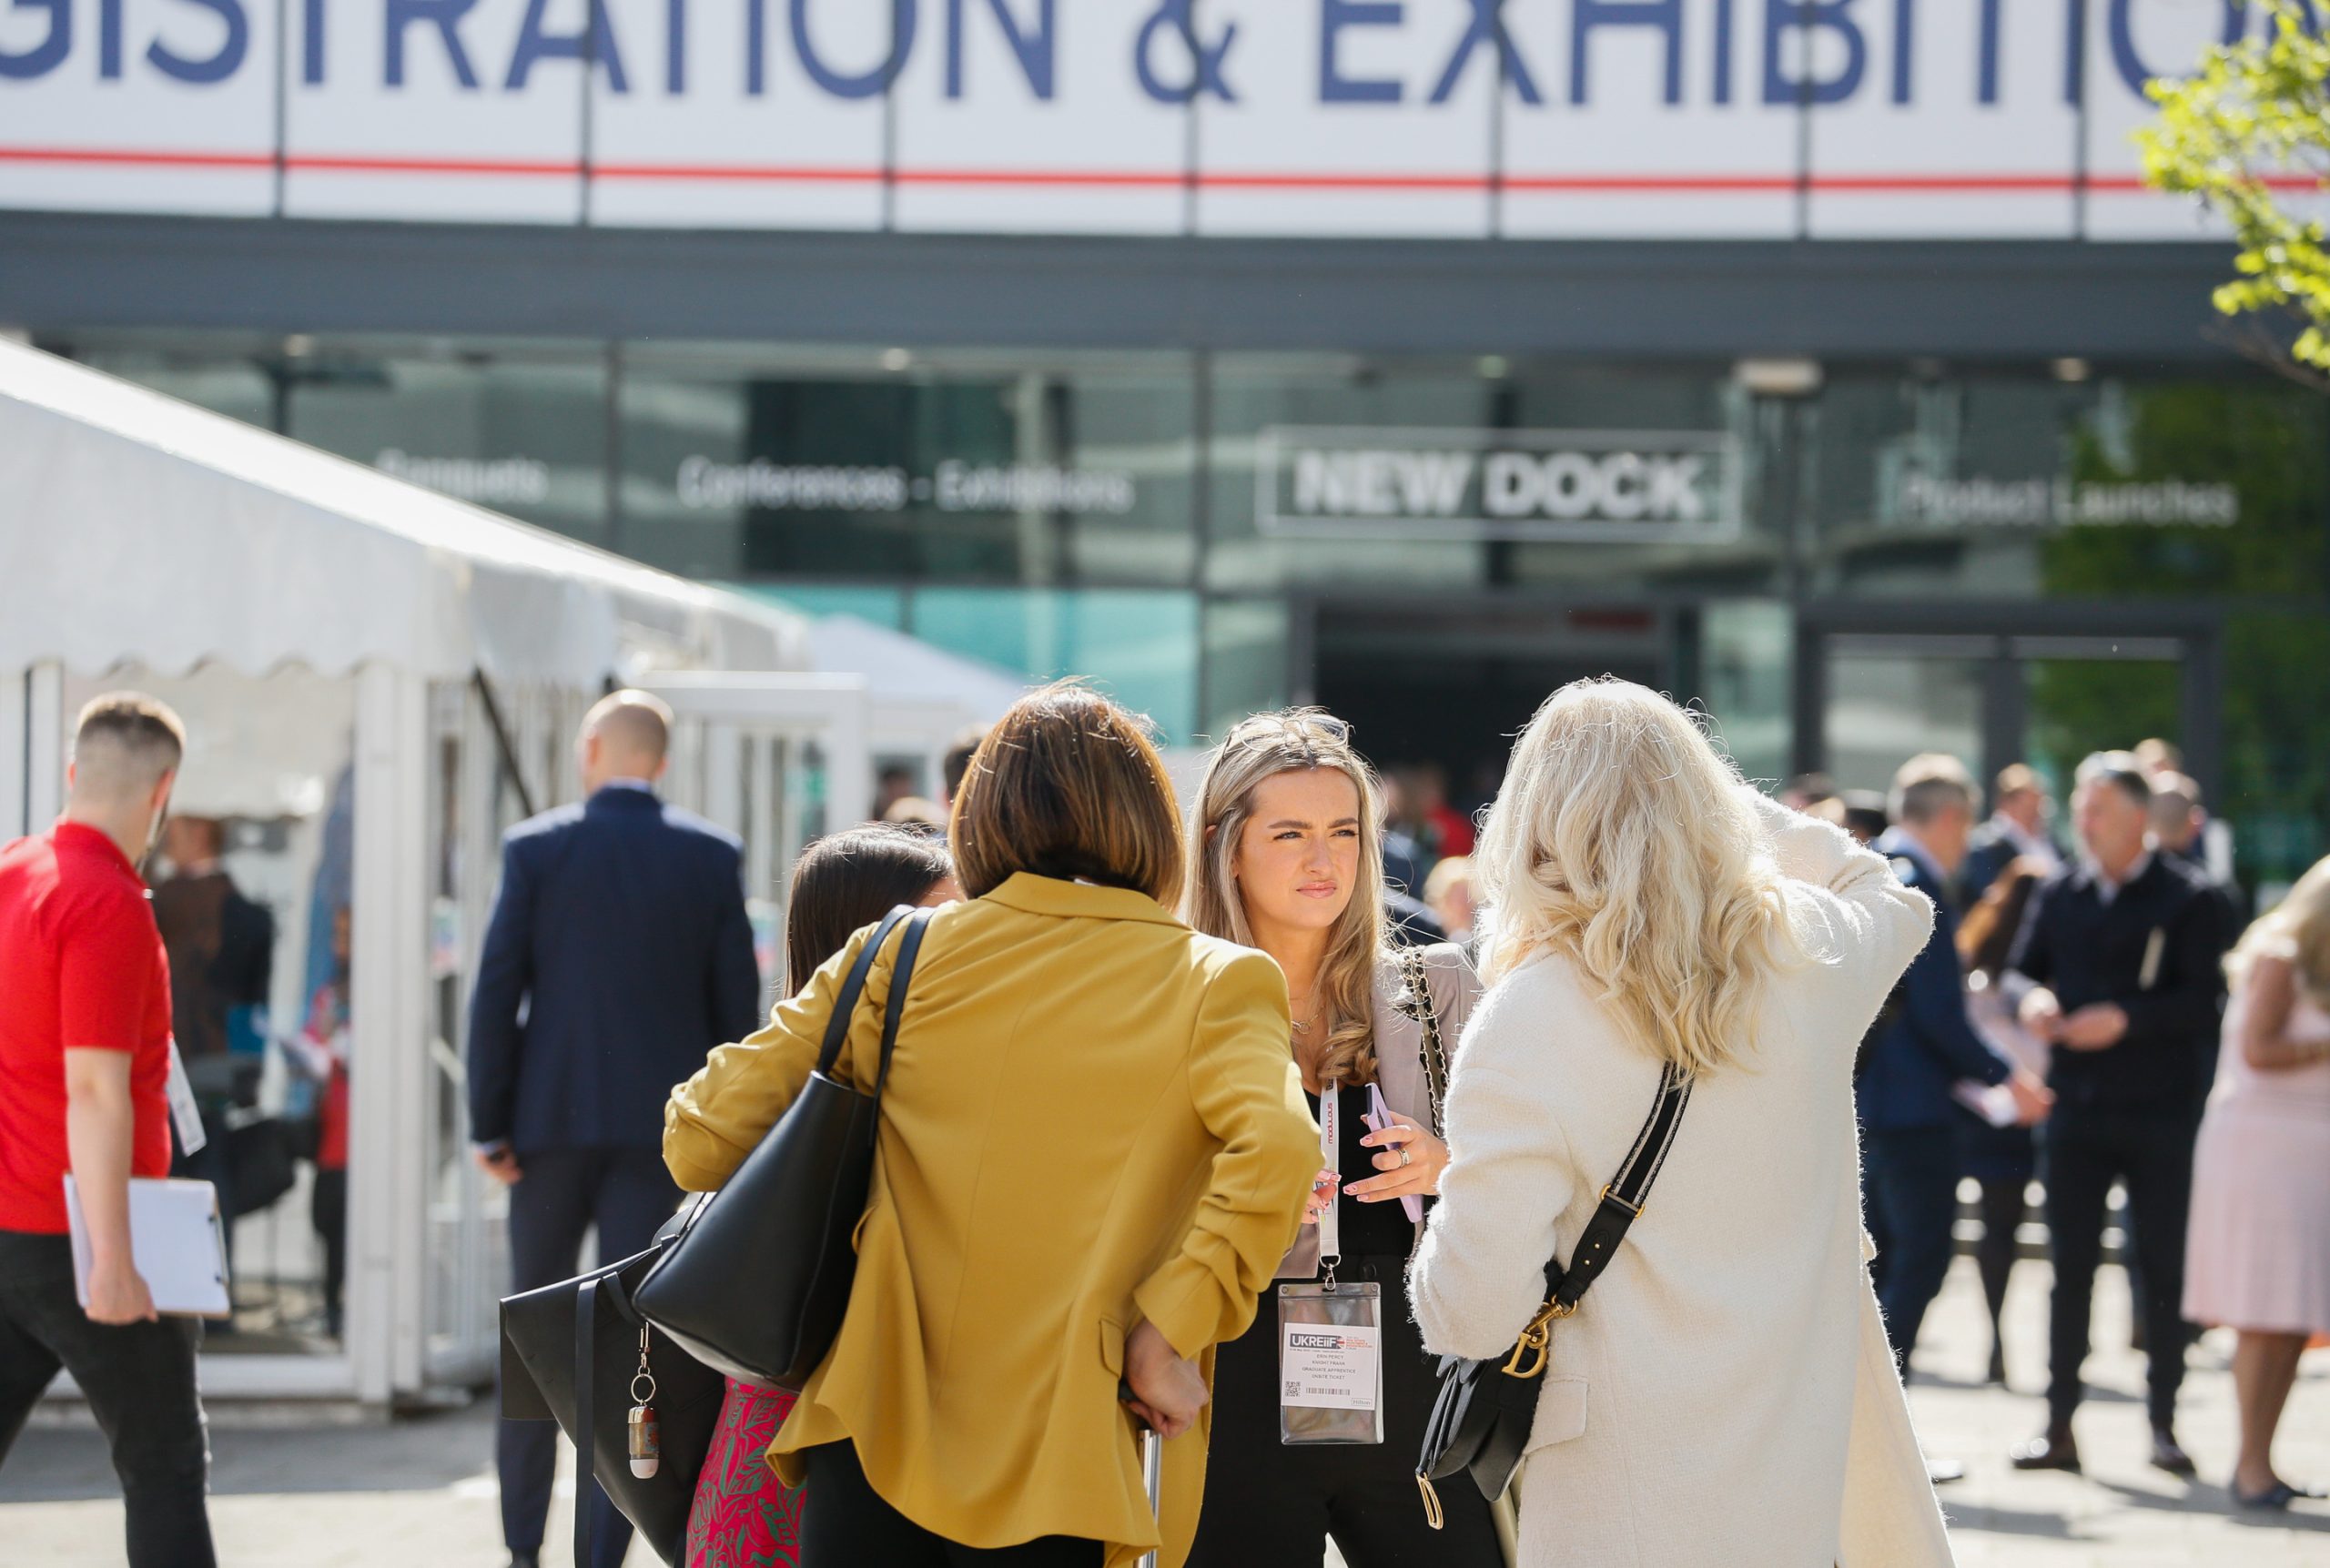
column 2007, row 1520
column 411, row 1453
column 2203, row 1498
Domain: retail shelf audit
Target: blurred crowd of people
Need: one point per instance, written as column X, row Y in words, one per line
column 2068, row 1024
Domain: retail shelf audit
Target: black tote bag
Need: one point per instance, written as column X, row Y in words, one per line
column 759, row 1279
column 570, row 1352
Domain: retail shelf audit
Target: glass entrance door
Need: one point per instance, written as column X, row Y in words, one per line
column 1993, row 700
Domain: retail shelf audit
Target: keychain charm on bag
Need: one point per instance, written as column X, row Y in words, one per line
column 1330, row 1335
column 644, row 1431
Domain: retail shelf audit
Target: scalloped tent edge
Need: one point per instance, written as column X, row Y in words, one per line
column 137, row 528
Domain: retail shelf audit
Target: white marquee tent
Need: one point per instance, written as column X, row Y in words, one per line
column 378, row 680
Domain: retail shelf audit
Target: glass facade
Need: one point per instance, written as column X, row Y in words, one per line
column 884, row 464
column 1845, row 565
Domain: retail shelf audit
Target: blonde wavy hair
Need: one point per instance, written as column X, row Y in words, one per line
column 1619, row 839
column 1259, row 748
column 2299, row 926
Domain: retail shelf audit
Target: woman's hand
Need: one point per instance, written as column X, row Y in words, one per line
column 1322, row 1194
column 1167, row 1389
column 1412, row 1160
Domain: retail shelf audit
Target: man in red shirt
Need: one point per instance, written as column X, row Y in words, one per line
column 84, row 1064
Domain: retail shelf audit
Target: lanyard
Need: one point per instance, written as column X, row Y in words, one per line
column 1331, row 1228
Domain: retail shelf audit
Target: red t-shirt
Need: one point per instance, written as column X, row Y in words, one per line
column 81, row 964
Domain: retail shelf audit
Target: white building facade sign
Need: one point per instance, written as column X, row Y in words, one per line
column 1446, row 118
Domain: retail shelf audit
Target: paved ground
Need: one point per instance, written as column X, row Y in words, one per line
column 422, row 1490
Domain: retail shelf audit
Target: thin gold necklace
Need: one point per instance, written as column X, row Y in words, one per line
column 1302, row 1027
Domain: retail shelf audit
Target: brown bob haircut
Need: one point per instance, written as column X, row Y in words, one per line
column 1068, row 785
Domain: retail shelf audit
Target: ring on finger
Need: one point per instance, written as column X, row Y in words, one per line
column 1406, row 1158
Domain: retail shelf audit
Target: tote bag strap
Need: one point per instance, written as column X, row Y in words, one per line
column 901, row 976
column 845, row 1004
column 586, row 1418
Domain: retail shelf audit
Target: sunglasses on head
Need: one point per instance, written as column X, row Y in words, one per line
column 1324, row 727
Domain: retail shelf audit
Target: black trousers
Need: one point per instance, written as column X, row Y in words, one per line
column 327, row 1210
column 844, row 1524
column 626, row 1194
column 2003, row 1199
column 1270, row 1506
column 1910, row 1192
column 139, row 1381
column 2087, row 1151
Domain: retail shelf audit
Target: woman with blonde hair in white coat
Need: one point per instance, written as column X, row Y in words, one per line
column 1724, row 1394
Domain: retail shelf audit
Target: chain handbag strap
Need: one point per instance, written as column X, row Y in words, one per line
column 1433, row 1052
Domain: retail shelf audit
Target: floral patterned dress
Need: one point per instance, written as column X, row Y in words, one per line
column 744, row 1517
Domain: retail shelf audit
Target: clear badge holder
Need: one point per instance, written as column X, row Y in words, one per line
column 1331, row 1363
column 1330, row 1336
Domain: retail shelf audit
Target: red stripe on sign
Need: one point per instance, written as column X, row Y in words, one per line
column 1228, row 180
column 1648, row 184
column 774, row 174
column 351, row 163
column 1119, row 178
column 2124, row 184
column 142, row 159
column 1913, row 184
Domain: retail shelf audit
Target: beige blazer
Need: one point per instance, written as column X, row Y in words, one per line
column 1399, row 1055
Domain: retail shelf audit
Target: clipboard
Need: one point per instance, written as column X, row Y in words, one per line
column 178, row 1239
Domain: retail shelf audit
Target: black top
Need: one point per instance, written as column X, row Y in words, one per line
column 1378, row 1230
column 2086, row 950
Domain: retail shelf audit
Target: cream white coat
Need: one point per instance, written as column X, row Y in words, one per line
column 1723, row 1395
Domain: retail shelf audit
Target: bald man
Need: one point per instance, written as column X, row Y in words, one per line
column 84, row 1060
column 619, row 954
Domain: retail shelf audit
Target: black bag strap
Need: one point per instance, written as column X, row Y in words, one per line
column 1621, row 1206
column 586, row 1418
column 901, row 973
column 1623, row 1198
column 845, row 1004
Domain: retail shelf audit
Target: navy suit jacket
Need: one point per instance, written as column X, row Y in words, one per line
column 618, row 955
column 1931, row 1044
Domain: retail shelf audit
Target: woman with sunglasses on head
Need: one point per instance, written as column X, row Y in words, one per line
column 744, row 1516
column 1285, row 855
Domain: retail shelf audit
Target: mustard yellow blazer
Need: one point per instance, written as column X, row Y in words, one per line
column 1092, row 1118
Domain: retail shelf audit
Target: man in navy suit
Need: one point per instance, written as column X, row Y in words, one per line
column 618, row 955
column 1923, row 1046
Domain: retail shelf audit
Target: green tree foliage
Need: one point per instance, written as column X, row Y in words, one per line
column 2248, row 135
column 2273, row 442
column 2248, row 131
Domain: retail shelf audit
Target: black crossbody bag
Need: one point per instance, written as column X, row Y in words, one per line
column 1481, row 1420
column 756, row 1283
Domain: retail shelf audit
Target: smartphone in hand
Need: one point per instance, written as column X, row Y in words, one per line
column 1378, row 1115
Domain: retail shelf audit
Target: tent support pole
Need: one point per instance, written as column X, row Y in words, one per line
column 502, row 744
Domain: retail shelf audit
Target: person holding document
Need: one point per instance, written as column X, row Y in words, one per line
column 84, row 1064
column 1923, row 1046
column 2122, row 952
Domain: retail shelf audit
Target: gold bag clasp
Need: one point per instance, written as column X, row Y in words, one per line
column 1530, row 1351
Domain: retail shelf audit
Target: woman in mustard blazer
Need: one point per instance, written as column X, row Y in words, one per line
column 1093, row 1152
